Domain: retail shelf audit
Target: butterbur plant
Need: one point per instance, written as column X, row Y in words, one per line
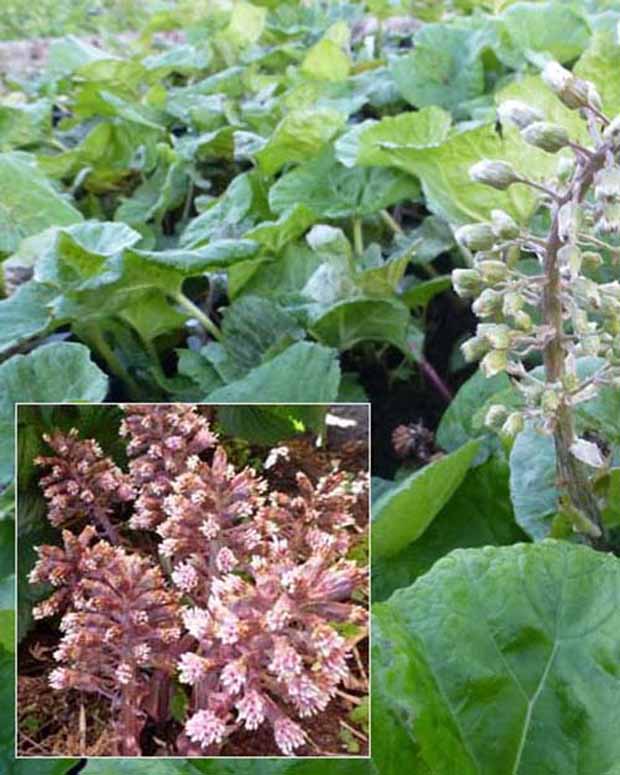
column 187, row 577
column 562, row 309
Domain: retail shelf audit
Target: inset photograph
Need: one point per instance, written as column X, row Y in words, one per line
column 192, row 580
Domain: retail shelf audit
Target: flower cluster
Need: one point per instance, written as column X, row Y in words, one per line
column 122, row 623
column 62, row 568
column 82, row 483
column 267, row 642
column 161, row 440
column 252, row 607
column 561, row 310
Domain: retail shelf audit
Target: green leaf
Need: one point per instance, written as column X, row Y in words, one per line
column 456, row 426
column 300, row 135
column 332, row 190
column 24, row 125
column 57, row 372
column 25, row 314
column 347, row 323
column 404, row 512
column 269, row 425
column 304, row 372
column 252, row 327
column 478, row 514
column 429, row 240
column 326, row 61
column 275, row 235
column 7, row 616
column 128, row 767
column 444, row 68
column 246, row 24
column 419, row 294
column 444, row 170
column 554, row 28
column 425, row 128
column 28, row 201
column 223, row 217
column 533, row 482
column 393, row 744
column 498, row 651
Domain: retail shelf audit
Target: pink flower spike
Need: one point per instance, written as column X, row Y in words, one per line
column 251, row 709
column 58, row 679
column 197, row 621
column 289, row 735
column 233, row 676
column 205, row 727
column 185, row 577
column 225, row 560
column 192, row 668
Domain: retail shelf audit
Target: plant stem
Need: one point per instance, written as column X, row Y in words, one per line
column 429, row 372
column 572, row 474
column 197, row 313
column 100, row 344
column 358, row 238
column 389, row 220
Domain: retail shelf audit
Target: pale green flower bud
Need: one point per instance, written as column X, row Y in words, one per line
column 591, row 345
column 523, row 322
column 587, row 452
column 518, row 113
column 495, row 416
column 569, row 220
column 532, row 391
column 475, row 236
column 494, row 362
column 513, row 303
column 497, row 174
column 488, row 303
column 591, row 261
column 589, row 291
column 550, row 401
column 566, row 167
column 569, row 258
column 492, row 271
column 609, row 221
column 497, row 335
column 607, row 184
column 512, row 255
column 570, row 382
column 550, row 137
column 466, row 282
column 503, row 225
column 573, row 92
column 581, row 322
column 513, row 425
column 594, row 98
column 612, row 132
column 474, row 348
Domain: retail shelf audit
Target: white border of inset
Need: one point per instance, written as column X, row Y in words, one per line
column 335, row 757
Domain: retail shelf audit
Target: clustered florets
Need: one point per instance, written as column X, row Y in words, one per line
column 509, row 299
column 249, row 615
column 162, row 438
column 82, row 484
column 120, row 623
column 563, row 311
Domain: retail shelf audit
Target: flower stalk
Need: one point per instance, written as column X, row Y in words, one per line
column 562, row 313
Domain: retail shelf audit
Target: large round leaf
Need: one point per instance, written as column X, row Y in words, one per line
column 504, row 661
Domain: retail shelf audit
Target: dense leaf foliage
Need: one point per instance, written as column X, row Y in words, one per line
column 267, row 209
